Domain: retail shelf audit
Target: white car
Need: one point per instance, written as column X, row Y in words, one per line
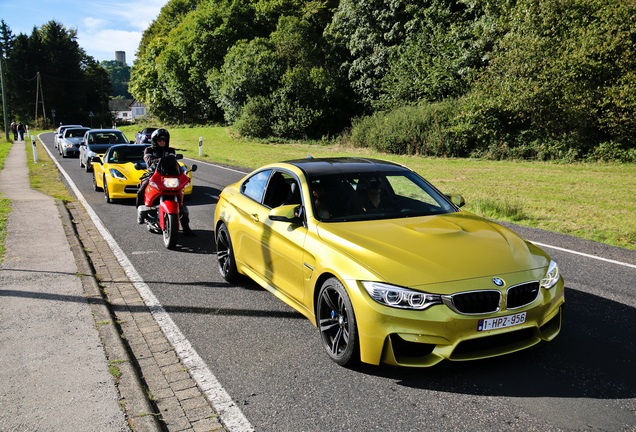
column 70, row 142
column 60, row 133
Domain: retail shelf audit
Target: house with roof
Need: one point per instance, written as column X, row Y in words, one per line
column 126, row 110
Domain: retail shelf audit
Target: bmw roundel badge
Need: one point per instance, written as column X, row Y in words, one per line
column 498, row 281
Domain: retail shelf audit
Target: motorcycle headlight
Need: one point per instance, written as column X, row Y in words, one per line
column 171, row 182
column 117, row 174
column 398, row 297
column 551, row 277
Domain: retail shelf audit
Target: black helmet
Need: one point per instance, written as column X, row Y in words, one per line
column 160, row 133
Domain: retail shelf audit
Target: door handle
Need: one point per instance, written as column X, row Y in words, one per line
column 255, row 217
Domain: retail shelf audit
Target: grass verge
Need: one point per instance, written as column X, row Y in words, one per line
column 44, row 175
column 5, row 203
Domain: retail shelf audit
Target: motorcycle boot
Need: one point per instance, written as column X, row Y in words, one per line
column 142, row 211
column 185, row 221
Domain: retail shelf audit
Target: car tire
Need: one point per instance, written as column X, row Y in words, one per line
column 225, row 254
column 95, row 187
column 107, row 197
column 88, row 167
column 337, row 323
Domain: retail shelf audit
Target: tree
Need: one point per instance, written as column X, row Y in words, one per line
column 70, row 82
column 119, row 77
column 565, row 73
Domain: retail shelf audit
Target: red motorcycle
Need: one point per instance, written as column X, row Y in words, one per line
column 163, row 207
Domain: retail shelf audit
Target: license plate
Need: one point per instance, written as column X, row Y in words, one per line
column 501, row 322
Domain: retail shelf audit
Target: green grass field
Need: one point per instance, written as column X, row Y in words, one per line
column 591, row 201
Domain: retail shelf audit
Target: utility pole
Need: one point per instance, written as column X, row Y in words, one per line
column 5, row 108
column 39, row 92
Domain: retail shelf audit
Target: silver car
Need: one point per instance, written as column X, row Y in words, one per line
column 60, row 132
column 70, row 142
column 96, row 142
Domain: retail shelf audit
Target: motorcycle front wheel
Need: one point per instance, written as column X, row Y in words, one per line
column 170, row 230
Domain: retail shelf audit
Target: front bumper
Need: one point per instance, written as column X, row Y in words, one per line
column 424, row 338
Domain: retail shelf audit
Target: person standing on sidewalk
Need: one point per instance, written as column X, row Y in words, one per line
column 14, row 130
column 21, row 131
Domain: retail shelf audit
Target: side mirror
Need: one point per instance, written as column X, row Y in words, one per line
column 286, row 213
column 95, row 159
column 193, row 168
column 131, row 142
column 456, row 199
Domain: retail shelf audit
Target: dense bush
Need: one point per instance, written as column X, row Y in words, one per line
column 424, row 130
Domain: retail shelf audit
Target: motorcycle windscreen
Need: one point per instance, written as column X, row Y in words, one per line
column 168, row 166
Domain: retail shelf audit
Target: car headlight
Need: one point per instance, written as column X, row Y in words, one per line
column 117, row 174
column 171, row 182
column 551, row 277
column 402, row 298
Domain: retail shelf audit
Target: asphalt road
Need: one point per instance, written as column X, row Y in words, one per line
column 269, row 359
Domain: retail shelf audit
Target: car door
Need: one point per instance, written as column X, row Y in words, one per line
column 272, row 249
column 247, row 228
column 283, row 242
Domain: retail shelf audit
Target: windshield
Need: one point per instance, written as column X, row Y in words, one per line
column 107, row 137
column 75, row 133
column 126, row 154
column 370, row 196
column 168, row 166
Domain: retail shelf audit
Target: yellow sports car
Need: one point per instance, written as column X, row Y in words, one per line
column 389, row 269
column 116, row 174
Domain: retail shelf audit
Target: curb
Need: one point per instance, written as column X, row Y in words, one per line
column 157, row 391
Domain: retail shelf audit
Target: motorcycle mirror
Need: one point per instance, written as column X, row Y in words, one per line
column 178, row 156
column 138, row 166
column 193, row 168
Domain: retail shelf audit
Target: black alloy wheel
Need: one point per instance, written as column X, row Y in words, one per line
column 337, row 323
column 225, row 254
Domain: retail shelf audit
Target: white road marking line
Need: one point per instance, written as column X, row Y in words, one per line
column 584, row 254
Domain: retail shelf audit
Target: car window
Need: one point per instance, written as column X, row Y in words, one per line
column 110, row 137
column 282, row 189
column 368, row 196
column 254, row 187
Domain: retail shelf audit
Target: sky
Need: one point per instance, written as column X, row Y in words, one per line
column 103, row 27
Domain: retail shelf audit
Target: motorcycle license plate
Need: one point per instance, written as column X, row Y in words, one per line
column 501, row 322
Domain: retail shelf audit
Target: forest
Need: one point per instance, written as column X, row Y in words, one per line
column 532, row 79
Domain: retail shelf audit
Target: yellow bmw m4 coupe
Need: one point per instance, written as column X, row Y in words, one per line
column 389, row 269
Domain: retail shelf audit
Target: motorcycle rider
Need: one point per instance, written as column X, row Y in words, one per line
column 160, row 146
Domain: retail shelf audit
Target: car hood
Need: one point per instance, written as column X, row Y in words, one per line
column 433, row 249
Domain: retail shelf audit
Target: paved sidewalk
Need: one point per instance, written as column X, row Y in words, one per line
column 70, row 362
